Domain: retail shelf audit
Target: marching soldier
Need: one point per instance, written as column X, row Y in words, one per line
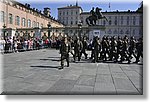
column 131, row 49
column 119, row 47
column 96, row 45
column 104, row 48
column 83, row 51
column 113, row 49
column 77, row 49
column 64, row 51
column 139, row 48
column 124, row 55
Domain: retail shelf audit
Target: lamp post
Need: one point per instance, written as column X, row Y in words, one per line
column 49, row 26
column 79, row 29
column 4, row 29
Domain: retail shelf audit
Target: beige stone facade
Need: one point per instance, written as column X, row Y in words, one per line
column 15, row 15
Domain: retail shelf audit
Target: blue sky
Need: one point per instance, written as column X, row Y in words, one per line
column 121, row 5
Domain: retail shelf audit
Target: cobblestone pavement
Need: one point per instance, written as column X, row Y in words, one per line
column 36, row 72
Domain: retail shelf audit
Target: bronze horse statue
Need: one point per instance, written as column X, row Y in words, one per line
column 91, row 20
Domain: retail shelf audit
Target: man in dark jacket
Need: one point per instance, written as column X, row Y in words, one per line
column 77, row 49
column 64, row 51
column 83, row 51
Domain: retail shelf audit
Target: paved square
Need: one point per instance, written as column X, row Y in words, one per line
column 36, row 72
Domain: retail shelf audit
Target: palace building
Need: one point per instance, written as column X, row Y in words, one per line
column 20, row 18
column 120, row 23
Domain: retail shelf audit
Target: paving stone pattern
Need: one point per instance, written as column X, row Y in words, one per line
column 36, row 72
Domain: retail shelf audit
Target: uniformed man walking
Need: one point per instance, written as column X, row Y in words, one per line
column 64, row 51
column 131, row 49
column 83, row 51
column 139, row 48
column 77, row 49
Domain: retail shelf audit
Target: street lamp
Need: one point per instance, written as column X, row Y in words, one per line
column 4, row 29
column 49, row 26
column 79, row 27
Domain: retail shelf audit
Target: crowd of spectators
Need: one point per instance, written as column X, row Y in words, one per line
column 20, row 44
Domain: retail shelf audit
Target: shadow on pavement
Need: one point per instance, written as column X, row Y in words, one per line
column 47, row 66
column 50, row 59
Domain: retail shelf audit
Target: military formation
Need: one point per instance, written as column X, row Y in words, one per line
column 114, row 49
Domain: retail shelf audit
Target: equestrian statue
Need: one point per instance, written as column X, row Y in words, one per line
column 95, row 15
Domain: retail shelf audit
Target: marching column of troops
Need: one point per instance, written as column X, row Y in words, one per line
column 114, row 49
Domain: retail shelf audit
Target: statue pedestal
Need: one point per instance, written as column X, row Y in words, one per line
column 97, row 30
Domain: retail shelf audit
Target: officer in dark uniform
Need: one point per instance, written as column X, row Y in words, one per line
column 139, row 48
column 83, row 51
column 113, row 49
column 96, row 45
column 64, row 51
column 77, row 49
column 131, row 49
column 124, row 55
column 104, row 48
column 119, row 47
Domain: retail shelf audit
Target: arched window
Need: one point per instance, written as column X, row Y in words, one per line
column 29, row 23
column 127, row 32
column 109, row 31
column 109, row 22
column 104, row 22
column 121, row 32
column 115, row 31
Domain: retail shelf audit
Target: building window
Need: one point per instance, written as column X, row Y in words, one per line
column 141, row 20
column 60, row 13
column 127, row 32
column 109, row 17
column 63, row 13
column 127, row 20
column 109, row 31
column 121, row 17
column 76, row 12
column 71, row 12
column 76, row 22
column 121, row 32
column 17, row 20
column 29, row 23
column 121, row 20
column 41, row 25
column 67, row 22
column 133, row 32
column 134, row 20
column 2, row 16
column 38, row 24
column 23, row 22
column 10, row 18
column 71, row 22
column 104, row 22
column 109, row 22
column 34, row 24
column 115, row 31
column 67, row 12
column 115, row 22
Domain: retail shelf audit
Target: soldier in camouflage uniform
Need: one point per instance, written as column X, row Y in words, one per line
column 96, row 45
column 131, row 49
column 83, row 51
column 77, row 49
column 124, row 53
column 64, row 51
column 113, row 49
column 139, row 48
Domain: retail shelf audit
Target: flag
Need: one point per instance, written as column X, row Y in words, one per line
column 109, row 5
